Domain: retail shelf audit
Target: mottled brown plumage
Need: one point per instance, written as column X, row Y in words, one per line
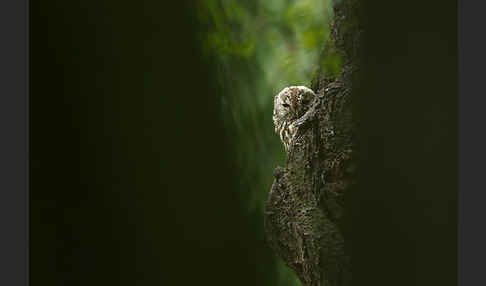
column 289, row 105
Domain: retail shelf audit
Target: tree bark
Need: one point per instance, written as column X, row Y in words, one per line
column 305, row 208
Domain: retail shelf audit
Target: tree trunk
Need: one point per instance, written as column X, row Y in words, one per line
column 305, row 209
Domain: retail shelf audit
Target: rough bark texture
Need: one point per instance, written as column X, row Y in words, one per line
column 305, row 207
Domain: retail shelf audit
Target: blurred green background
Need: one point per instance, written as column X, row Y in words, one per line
column 257, row 48
column 124, row 192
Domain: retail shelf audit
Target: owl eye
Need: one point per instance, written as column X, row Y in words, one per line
column 285, row 105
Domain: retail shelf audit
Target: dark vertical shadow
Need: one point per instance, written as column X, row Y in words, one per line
column 131, row 182
column 405, row 208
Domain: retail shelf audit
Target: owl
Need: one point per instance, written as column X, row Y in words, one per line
column 289, row 105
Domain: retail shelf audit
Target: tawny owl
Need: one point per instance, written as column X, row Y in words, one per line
column 289, row 105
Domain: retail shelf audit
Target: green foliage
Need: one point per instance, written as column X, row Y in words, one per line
column 258, row 48
column 331, row 60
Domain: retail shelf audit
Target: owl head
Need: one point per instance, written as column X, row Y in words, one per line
column 290, row 104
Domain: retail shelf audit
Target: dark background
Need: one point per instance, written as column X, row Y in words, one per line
column 130, row 176
column 404, row 212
